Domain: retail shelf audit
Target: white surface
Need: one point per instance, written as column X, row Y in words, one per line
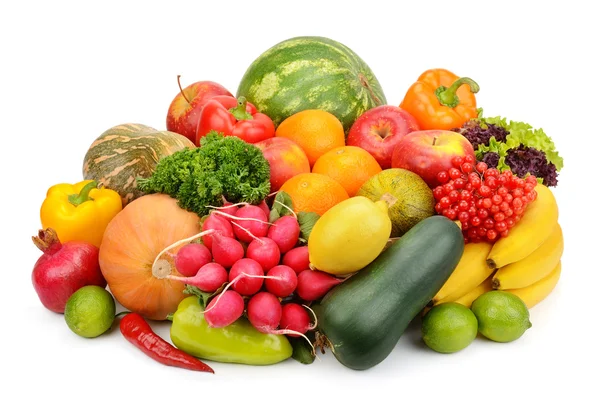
column 71, row 71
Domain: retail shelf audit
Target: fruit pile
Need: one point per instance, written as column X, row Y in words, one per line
column 305, row 212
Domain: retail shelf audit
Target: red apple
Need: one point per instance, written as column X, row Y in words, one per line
column 379, row 130
column 285, row 158
column 429, row 152
column 185, row 108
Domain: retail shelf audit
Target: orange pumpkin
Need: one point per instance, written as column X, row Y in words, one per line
column 137, row 250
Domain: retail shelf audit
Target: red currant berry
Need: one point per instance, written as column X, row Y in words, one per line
column 442, row 177
column 485, row 191
column 438, row 192
column 454, row 173
column 481, row 167
column 457, row 161
column 517, row 203
column 488, row 223
column 487, row 203
column 463, row 216
column 465, row 195
column 501, row 226
column 466, row 167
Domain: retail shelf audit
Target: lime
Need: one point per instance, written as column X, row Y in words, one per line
column 502, row 316
column 90, row 311
column 449, row 327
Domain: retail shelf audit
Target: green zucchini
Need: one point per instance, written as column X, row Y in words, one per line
column 364, row 317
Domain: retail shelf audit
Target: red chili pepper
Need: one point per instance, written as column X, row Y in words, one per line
column 137, row 331
column 234, row 117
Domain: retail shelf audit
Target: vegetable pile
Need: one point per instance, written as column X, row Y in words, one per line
column 304, row 213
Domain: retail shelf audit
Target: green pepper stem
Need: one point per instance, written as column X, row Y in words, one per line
column 83, row 196
column 240, row 112
column 448, row 97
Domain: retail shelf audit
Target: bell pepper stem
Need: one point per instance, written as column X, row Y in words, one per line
column 447, row 95
column 83, row 196
column 240, row 112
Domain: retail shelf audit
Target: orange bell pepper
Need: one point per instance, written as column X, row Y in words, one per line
column 441, row 100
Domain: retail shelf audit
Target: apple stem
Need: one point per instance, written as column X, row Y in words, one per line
column 181, row 89
column 448, row 97
column 434, row 140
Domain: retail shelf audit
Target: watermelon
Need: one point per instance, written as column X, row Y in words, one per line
column 311, row 72
column 125, row 152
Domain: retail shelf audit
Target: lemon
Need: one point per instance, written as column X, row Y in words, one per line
column 348, row 236
column 502, row 316
column 449, row 327
column 90, row 311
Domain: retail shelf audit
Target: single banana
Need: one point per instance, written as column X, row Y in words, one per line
column 535, row 226
column 534, row 267
column 470, row 297
column 468, row 274
column 537, row 292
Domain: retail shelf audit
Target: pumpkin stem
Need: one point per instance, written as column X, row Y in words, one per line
column 181, row 89
column 159, row 268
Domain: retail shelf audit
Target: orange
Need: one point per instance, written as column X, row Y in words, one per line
column 315, row 131
column 314, row 192
column 350, row 166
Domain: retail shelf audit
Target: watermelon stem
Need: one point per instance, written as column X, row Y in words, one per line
column 84, row 195
column 181, row 89
column 240, row 112
column 365, row 83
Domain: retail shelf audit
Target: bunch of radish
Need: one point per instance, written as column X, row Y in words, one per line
column 263, row 265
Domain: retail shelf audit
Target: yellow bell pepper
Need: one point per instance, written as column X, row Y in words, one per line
column 80, row 211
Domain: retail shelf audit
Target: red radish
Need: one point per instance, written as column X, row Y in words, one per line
column 265, row 251
column 224, row 309
column 226, row 250
column 254, row 222
column 263, row 206
column 246, row 286
column 63, row 269
column 295, row 317
column 285, row 231
column 191, row 257
column 313, row 285
column 219, row 224
column 297, row 259
column 264, row 312
column 285, row 285
column 208, row 278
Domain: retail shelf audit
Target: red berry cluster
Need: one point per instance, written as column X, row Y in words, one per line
column 487, row 202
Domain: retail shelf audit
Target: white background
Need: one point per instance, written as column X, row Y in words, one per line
column 71, row 71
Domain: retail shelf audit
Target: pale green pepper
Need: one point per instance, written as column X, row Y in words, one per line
column 237, row 343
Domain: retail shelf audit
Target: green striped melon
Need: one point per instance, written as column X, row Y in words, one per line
column 311, row 72
column 128, row 151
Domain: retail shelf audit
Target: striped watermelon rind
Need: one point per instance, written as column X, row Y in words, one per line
column 311, row 72
column 126, row 152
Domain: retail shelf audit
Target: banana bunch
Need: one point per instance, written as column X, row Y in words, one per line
column 527, row 262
